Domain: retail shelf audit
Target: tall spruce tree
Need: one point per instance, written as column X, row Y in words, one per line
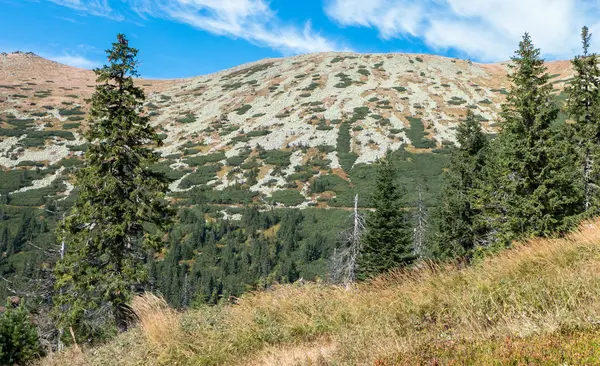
column 584, row 109
column 387, row 242
column 119, row 199
column 532, row 185
column 456, row 227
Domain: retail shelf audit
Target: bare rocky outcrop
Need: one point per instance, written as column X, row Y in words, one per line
column 295, row 104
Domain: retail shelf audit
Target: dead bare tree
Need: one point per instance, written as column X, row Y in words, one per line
column 346, row 254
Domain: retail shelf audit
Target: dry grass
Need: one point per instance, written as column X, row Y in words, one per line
column 543, row 292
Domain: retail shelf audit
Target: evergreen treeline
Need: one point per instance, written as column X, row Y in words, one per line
column 207, row 262
column 537, row 177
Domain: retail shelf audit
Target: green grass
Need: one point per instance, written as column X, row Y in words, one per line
column 258, row 133
column 500, row 91
column 203, row 159
column 202, row 175
column 412, row 170
column 249, row 71
column 36, row 197
column 326, row 148
column 189, row 118
column 324, row 127
column 67, row 163
column 303, row 174
column 360, row 113
column 37, row 135
column 276, row 157
column 32, row 142
column 21, row 124
column 236, row 160
column 416, row 134
column 326, row 183
column 231, row 195
column 71, row 126
column 456, row 101
column 311, row 86
column 82, row 147
column 243, row 109
column 287, row 197
column 345, row 155
column 13, row 180
column 164, row 167
column 71, row 112
column 341, row 58
column 345, row 81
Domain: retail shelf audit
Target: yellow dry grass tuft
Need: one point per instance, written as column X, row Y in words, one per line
column 543, row 290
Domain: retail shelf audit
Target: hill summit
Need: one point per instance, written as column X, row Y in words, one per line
column 275, row 125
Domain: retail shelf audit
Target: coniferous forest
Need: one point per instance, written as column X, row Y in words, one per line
column 76, row 264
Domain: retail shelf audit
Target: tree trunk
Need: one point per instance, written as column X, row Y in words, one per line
column 587, row 173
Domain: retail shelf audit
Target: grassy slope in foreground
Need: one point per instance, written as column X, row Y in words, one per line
column 537, row 303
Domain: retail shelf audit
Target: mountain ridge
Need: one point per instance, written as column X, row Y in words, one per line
column 270, row 125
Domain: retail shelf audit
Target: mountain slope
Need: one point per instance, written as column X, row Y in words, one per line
column 269, row 129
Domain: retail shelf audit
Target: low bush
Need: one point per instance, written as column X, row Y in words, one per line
column 287, row 197
column 71, row 126
column 19, row 343
column 416, row 134
column 189, row 118
column 71, row 112
column 243, row 109
column 201, row 176
column 278, row 158
column 203, row 159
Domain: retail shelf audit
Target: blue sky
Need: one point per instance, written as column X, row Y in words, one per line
column 181, row 38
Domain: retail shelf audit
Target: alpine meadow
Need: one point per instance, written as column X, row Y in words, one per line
column 327, row 208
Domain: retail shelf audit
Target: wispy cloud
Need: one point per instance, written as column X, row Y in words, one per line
column 486, row 30
column 73, row 60
column 251, row 20
column 70, row 20
column 92, row 7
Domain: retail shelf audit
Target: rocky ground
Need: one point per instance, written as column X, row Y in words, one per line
column 272, row 125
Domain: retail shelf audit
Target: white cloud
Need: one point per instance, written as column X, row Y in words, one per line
column 73, row 60
column 486, row 30
column 391, row 18
column 251, row 20
column 92, row 7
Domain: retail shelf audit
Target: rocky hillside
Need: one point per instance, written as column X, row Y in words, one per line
column 292, row 131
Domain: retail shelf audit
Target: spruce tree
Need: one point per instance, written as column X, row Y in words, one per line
column 456, row 228
column 531, row 181
column 584, row 107
column 120, row 208
column 387, row 242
